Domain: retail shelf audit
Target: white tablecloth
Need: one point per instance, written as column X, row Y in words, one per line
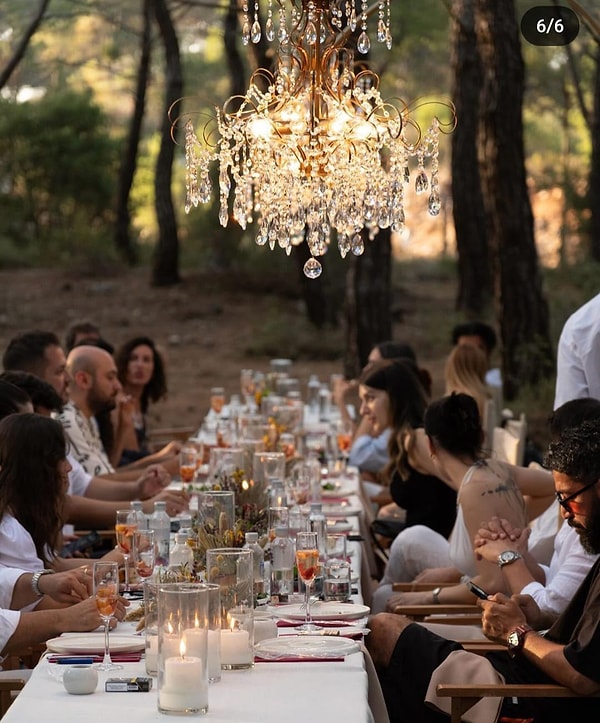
column 271, row 692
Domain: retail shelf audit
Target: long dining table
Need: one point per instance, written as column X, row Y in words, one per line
column 319, row 691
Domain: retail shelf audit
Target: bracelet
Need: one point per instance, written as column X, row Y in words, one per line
column 35, row 581
column 435, row 595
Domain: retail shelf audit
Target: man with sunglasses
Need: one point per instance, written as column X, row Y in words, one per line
column 408, row 656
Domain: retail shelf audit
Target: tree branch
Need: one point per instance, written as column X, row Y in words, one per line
column 22, row 46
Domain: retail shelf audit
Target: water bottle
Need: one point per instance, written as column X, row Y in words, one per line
column 259, row 565
column 181, row 558
column 313, row 467
column 160, row 522
column 140, row 517
column 324, row 402
column 282, row 566
column 312, row 397
column 318, row 524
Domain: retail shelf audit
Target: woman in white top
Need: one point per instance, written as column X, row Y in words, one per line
column 33, row 484
column 484, row 487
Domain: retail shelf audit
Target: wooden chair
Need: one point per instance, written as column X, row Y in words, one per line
column 457, row 614
column 464, row 697
column 9, row 689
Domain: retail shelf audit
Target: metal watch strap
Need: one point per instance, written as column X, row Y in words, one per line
column 435, row 594
column 35, row 581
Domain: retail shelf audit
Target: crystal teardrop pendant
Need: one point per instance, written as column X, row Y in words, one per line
column 270, row 29
column 364, row 43
column 358, row 245
column 246, row 32
column 435, row 205
column 255, row 33
column 421, row 182
column 343, row 245
column 223, row 214
column 352, row 22
column 312, row 268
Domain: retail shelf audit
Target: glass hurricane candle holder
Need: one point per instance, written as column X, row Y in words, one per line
column 151, row 626
column 183, row 648
column 216, row 510
column 223, row 462
column 233, row 570
column 214, row 632
column 268, row 465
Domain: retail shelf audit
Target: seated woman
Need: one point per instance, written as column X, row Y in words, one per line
column 33, row 484
column 393, row 397
column 142, row 376
column 465, row 372
column 486, row 488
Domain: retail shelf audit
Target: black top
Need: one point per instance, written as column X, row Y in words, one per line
column 427, row 500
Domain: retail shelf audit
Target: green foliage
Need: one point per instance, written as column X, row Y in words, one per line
column 58, row 164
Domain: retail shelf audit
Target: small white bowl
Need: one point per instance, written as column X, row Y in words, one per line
column 80, row 679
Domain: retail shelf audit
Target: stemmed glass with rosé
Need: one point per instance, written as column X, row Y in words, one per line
column 106, row 593
column 307, row 562
column 144, row 553
column 125, row 526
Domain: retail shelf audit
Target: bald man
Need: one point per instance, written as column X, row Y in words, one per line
column 93, row 388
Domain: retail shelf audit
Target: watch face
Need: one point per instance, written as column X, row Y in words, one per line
column 508, row 556
column 513, row 639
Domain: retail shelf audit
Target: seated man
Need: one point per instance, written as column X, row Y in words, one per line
column 93, row 501
column 407, row 655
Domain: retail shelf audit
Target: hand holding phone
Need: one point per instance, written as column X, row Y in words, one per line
column 478, row 591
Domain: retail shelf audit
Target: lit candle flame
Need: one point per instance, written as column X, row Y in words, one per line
column 182, row 648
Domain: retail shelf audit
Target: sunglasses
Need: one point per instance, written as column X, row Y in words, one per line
column 568, row 502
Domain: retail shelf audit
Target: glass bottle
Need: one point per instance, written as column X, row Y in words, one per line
column 259, row 564
column 142, row 520
column 181, row 557
column 282, row 566
column 160, row 522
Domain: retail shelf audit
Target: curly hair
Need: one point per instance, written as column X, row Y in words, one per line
column 400, row 379
column 576, row 452
column 31, row 488
column 157, row 386
column 454, row 424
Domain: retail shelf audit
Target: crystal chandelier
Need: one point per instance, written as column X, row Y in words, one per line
column 312, row 152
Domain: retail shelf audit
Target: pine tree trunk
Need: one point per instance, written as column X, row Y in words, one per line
column 123, row 241
column 474, row 276
column 520, row 304
column 166, row 260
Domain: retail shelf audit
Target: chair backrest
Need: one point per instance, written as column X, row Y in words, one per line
column 508, row 443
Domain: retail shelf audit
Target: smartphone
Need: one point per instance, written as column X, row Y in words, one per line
column 476, row 590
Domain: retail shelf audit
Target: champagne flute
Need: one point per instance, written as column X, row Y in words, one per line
column 343, row 436
column 307, row 561
column 144, row 553
column 125, row 526
column 106, row 593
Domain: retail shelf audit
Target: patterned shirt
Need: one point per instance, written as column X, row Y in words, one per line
column 84, row 440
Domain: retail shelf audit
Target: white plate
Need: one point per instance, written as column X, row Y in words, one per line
column 338, row 526
column 94, row 644
column 340, row 509
column 342, row 488
column 306, row 646
column 321, row 611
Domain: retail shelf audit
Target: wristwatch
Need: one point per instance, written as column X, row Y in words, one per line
column 35, row 581
column 516, row 639
column 435, row 594
column 508, row 556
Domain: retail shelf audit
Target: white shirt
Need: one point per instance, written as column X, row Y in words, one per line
column 79, row 481
column 17, row 549
column 8, row 580
column 569, row 565
column 578, row 357
column 9, row 620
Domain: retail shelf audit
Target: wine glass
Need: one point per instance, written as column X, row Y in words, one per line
column 125, row 526
column 344, row 429
column 307, row 561
column 144, row 553
column 106, row 593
